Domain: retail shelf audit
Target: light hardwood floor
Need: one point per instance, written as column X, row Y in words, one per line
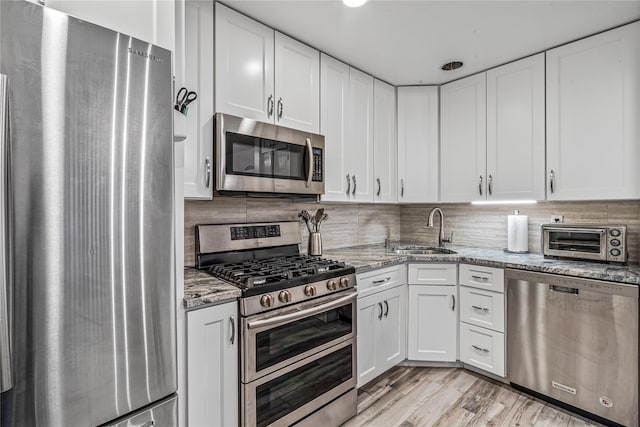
column 449, row 397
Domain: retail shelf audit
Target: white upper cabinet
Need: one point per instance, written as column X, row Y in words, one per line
column 516, row 130
column 264, row 75
column 333, row 125
column 198, row 77
column 384, row 142
column 418, row 144
column 297, row 82
column 592, row 117
column 463, row 139
column 244, row 66
column 152, row 21
column 360, row 143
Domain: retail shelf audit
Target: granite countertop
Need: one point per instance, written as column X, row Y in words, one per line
column 372, row 257
column 202, row 289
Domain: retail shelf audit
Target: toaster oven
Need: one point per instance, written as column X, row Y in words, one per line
column 585, row 241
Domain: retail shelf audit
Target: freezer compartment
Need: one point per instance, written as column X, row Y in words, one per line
column 576, row 341
column 164, row 413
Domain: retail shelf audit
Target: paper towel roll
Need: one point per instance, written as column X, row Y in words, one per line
column 518, row 233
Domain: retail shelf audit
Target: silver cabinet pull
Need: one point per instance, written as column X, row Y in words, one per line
column 310, row 159
column 353, row 193
column 377, row 282
column 480, row 185
column 402, row 188
column 348, row 184
column 150, row 423
column 480, row 308
column 207, row 172
column 232, row 320
column 280, row 108
column 453, row 303
column 484, row 279
column 490, row 185
column 381, row 311
column 379, row 187
column 484, row 350
column 551, row 179
column 386, row 308
column 270, row 106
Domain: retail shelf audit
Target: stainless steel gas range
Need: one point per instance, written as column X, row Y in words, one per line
column 298, row 323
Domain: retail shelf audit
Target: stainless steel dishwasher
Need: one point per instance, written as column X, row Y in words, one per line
column 576, row 341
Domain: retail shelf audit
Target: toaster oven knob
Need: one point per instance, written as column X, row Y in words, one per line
column 615, row 252
column 615, row 242
column 344, row 282
column 284, row 296
column 614, row 232
column 310, row 291
column 332, row 285
column 266, row 301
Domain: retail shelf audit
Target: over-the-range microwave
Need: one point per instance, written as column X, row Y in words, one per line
column 262, row 158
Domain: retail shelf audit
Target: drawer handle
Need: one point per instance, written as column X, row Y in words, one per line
column 377, row 282
column 484, row 350
column 480, row 308
column 484, row 279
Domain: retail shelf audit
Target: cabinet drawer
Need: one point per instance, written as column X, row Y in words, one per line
column 482, row 348
column 488, row 278
column 433, row 274
column 375, row 281
column 482, row 308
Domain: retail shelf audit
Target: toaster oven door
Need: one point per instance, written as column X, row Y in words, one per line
column 576, row 243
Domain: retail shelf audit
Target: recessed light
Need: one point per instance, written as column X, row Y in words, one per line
column 453, row 65
column 354, row 3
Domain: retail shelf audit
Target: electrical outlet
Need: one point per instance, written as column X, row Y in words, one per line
column 557, row 219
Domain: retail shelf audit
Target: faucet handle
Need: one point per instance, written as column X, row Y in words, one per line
column 448, row 239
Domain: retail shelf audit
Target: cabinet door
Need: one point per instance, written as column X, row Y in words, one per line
column 393, row 328
column 198, row 77
column 333, row 125
column 516, row 131
column 370, row 312
column 418, row 155
column 463, row 140
column 384, row 142
column 212, row 366
column 360, row 143
column 152, row 21
column 297, row 82
column 433, row 323
column 244, row 66
column 592, row 117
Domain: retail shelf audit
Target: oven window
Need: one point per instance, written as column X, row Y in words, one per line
column 285, row 394
column 575, row 241
column 283, row 342
column 254, row 156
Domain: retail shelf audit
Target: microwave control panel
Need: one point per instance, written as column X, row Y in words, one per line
column 317, row 165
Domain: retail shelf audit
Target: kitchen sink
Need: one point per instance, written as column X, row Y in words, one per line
column 422, row 251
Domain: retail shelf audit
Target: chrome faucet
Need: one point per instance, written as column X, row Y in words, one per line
column 441, row 238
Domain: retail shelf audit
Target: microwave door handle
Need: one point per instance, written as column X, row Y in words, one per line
column 310, row 160
column 6, row 380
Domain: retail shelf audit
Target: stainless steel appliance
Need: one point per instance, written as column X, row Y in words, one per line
column 256, row 157
column 298, row 323
column 585, row 241
column 87, row 334
column 575, row 341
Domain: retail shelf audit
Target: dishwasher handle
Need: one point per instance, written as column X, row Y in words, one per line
column 564, row 289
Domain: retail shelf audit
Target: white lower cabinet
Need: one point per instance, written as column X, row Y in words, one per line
column 212, row 366
column 382, row 325
column 482, row 348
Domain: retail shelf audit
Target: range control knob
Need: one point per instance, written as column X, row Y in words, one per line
column 615, row 232
column 266, row 301
column 310, row 291
column 615, row 252
column 344, row 282
column 615, row 242
column 284, row 296
column 332, row 285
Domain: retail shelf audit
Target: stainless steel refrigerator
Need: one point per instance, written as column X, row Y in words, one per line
column 87, row 301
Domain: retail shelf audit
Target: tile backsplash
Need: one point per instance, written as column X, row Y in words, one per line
column 359, row 224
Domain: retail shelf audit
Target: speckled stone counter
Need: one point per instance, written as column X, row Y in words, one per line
column 372, row 257
column 202, row 289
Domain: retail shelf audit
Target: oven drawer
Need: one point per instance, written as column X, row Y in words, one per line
column 288, row 395
column 489, row 278
column 482, row 308
column 278, row 338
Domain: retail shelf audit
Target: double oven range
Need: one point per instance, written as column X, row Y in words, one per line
column 297, row 327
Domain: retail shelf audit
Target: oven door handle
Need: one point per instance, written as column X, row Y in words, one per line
column 291, row 317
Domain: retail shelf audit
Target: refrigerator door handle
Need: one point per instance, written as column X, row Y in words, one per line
column 6, row 380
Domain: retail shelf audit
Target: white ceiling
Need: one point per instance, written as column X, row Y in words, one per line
column 406, row 42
